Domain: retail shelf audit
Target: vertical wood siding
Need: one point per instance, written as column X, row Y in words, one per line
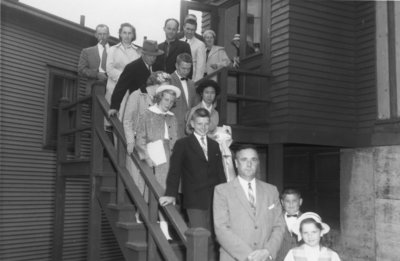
column 27, row 180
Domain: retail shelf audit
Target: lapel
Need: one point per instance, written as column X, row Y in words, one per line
column 179, row 85
column 261, row 199
column 240, row 194
column 212, row 51
column 195, row 144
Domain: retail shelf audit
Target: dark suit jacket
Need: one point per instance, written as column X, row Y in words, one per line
column 199, row 176
column 167, row 63
column 88, row 65
column 133, row 77
column 181, row 106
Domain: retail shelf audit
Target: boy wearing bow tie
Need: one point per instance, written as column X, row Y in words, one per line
column 291, row 201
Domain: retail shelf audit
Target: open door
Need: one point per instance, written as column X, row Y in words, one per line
column 207, row 15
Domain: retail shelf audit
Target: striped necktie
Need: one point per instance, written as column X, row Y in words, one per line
column 104, row 58
column 252, row 199
column 204, row 146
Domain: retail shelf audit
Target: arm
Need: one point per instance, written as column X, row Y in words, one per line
column 112, row 72
column 83, row 66
column 175, row 169
column 126, row 79
column 141, row 138
column 224, row 60
column 130, row 120
column 228, row 240
column 273, row 243
column 200, row 62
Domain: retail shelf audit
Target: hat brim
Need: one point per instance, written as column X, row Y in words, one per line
column 296, row 227
column 171, row 88
column 159, row 52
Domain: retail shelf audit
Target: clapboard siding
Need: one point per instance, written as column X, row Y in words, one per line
column 30, row 44
column 365, row 65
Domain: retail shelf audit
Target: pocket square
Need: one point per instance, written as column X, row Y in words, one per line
column 272, row 206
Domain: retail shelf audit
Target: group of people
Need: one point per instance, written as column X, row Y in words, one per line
column 174, row 127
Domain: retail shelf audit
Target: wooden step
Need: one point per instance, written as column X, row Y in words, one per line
column 126, row 212
column 141, row 249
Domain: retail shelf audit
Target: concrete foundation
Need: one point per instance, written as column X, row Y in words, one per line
column 370, row 203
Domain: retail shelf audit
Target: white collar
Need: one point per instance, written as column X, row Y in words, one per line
column 205, row 106
column 101, row 46
column 245, row 183
column 154, row 108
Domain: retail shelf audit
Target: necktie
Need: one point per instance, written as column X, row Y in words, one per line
column 204, row 146
column 207, row 53
column 150, row 69
column 166, row 49
column 104, row 58
column 252, row 199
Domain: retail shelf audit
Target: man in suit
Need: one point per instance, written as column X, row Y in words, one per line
column 291, row 202
column 134, row 75
column 247, row 214
column 189, row 98
column 197, row 47
column 172, row 47
column 181, row 34
column 198, row 161
column 92, row 61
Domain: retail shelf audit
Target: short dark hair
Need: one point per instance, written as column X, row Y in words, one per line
column 245, row 147
column 190, row 21
column 172, row 19
column 184, row 57
column 290, row 191
column 200, row 113
column 127, row 25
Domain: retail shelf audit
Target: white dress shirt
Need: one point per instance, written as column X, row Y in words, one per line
column 290, row 221
column 184, row 87
column 198, row 49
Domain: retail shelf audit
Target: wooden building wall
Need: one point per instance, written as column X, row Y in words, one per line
column 30, row 41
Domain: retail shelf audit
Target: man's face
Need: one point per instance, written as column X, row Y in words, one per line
column 200, row 125
column 291, row 203
column 171, row 29
column 247, row 163
column 183, row 68
column 102, row 35
column 149, row 59
column 189, row 30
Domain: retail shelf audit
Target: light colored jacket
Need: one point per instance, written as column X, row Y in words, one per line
column 239, row 231
column 217, row 56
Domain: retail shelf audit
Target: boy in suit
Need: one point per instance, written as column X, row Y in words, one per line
column 198, row 161
column 247, row 214
column 291, row 201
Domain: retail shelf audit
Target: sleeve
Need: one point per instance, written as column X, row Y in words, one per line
column 125, row 80
column 273, row 243
column 175, row 169
column 141, row 138
column 131, row 117
column 228, row 240
column 200, row 62
column 289, row 256
column 220, row 166
column 112, row 71
column 224, row 60
column 83, row 66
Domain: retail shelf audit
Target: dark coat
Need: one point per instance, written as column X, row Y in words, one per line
column 133, row 77
column 199, row 176
column 167, row 63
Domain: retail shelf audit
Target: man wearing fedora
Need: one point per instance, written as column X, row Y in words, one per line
column 135, row 75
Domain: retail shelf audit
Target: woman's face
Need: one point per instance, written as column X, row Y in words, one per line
column 126, row 34
column 311, row 234
column 209, row 95
column 209, row 40
column 166, row 102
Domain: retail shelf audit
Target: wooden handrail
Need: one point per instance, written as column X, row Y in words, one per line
column 71, row 105
column 247, row 72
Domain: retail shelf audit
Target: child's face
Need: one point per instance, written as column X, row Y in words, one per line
column 291, row 203
column 311, row 234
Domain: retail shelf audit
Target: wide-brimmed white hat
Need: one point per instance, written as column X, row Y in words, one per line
column 312, row 215
column 169, row 87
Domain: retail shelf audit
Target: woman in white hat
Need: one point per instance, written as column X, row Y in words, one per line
column 310, row 228
column 156, row 135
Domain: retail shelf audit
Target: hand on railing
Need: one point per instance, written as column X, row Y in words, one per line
column 149, row 162
column 165, row 200
column 112, row 112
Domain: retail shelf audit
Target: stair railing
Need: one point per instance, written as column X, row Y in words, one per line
column 194, row 240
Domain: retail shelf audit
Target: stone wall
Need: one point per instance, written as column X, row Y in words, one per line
column 370, row 203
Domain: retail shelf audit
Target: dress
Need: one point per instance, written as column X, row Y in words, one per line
column 152, row 127
column 118, row 57
column 136, row 105
column 307, row 253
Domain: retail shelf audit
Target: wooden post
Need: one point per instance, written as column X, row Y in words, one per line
column 223, row 106
column 96, row 169
column 60, row 185
column 153, row 214
column 275, row 165
column 197, row 244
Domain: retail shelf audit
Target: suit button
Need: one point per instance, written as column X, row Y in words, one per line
column 255, row 227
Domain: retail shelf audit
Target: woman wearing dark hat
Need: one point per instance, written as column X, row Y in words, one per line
column 208, row 91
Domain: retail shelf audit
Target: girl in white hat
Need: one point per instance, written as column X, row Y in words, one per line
column 310, row 228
